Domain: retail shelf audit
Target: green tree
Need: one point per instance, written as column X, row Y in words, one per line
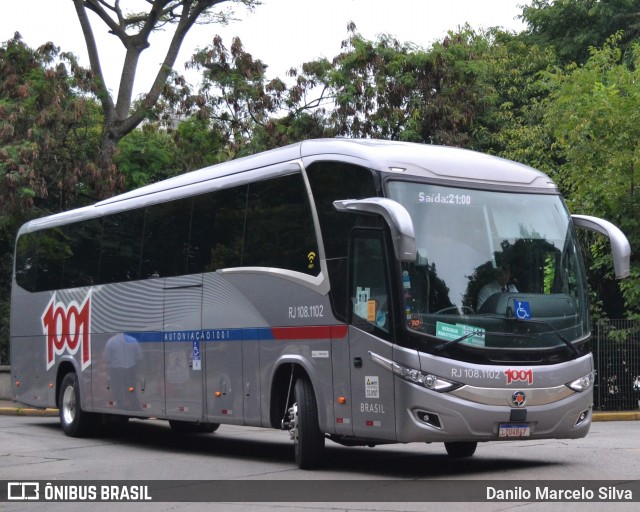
column 198, row 144
column 133, row 29
column 238, row 109
column 48, row 141
column 594, row 115
column 512, row 125
column 235, row 95
column 145, row 156
column 47, row 130
column 381, row 89
column 573, row 26
column 386, row 89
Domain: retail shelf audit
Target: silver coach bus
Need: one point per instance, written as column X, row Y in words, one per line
column 363, row 291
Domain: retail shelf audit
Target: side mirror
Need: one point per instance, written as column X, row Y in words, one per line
column 395, row 215
column 620, row 248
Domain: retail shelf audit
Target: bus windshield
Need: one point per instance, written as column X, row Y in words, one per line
column 494, row 270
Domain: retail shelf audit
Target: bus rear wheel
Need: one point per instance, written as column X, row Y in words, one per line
column 308, row 440
column 461, row 449
column 75, row 422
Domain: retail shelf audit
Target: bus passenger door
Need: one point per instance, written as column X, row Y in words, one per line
column 372, row 386
column 183, row 347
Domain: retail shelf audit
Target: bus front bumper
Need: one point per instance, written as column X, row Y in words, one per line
column 429, row 416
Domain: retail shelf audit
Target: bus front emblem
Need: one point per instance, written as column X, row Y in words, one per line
column 518, row 399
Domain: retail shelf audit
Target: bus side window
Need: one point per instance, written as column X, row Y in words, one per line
column 370, row 298
column 52, row 249
column 40, row 260
column 60, row 257
column 27, row 261
column 166, row 239
column 81, row 263
column 331, row 181
column 279, row 230
column 121, row 246
column 217, row 227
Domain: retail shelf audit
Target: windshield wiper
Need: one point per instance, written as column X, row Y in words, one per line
column 562, row 337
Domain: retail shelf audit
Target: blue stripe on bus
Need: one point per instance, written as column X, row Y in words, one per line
column 192, row 335
column 246, row 334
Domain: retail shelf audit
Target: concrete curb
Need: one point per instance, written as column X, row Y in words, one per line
column 17, row 410
column 27, row 411
column 616, row 416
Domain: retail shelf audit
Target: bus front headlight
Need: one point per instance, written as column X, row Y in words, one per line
column 583, row 383
column 414, row 376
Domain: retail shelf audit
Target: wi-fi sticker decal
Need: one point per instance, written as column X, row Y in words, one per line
column 312, row 258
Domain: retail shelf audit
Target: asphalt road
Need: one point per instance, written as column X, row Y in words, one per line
column 34, row 448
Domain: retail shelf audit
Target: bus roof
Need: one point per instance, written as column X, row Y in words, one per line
column 404, row 158
column 432, row 161
column 424, row 160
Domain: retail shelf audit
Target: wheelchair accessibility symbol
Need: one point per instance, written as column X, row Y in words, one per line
column 523, row 310
column 196, row 360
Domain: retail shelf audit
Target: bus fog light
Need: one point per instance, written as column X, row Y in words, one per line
column 582, row 417
column 430, row 418
column 583, row 383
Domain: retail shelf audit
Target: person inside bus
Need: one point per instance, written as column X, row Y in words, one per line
column 500, row 284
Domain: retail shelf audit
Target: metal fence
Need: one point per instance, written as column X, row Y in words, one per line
column 616, row 350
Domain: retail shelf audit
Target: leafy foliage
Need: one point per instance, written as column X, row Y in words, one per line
column 512, row 124
column 47, row 130
column 48, row 146
column 246, row 111
column 133, row 29
column 572, row 27
column 380, row 89
column 145, row 156
column 594, row 114
column 385, row 89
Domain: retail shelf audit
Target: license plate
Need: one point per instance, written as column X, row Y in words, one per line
column 513, row 430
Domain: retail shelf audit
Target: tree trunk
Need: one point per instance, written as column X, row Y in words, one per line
column 119, row 118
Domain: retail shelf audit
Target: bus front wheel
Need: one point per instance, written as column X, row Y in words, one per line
column 308, row 440
column 461, row 449
column 75, row 422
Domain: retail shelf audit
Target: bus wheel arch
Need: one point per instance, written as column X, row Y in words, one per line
column 294, row 407
column 282, row 390
column 64, row 368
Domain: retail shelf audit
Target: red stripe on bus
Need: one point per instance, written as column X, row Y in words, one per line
column 314, row 332
column 339, row 332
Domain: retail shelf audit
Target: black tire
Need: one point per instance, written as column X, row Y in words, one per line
column 461, row 449
column 188, row 427
column 308, row 441
column 74, row 421
column 207, row 428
